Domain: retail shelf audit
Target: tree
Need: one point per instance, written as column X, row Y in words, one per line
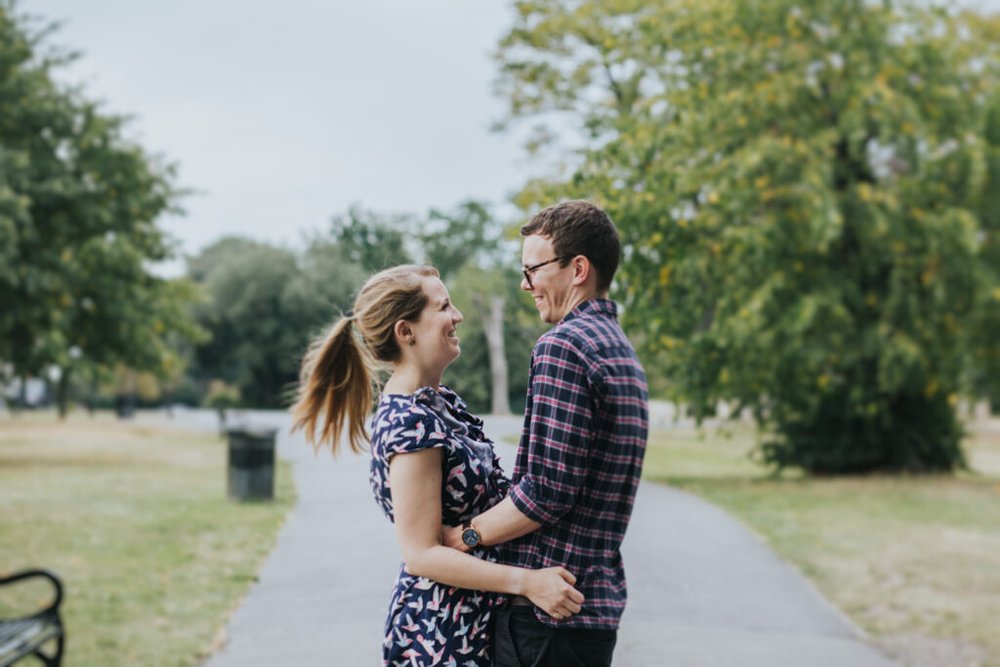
column 264, row 304
column 451, row 240
column 469, row 232
column 466, row 245
column 371, row 240
column 78, row 205
column 221, row 397
column 984, row 341
column 474, row 375
column 251, row 346
column 797, row 187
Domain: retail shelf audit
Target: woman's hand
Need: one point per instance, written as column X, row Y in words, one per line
column 552, row 591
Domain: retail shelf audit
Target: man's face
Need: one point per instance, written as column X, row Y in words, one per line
column 550, row 284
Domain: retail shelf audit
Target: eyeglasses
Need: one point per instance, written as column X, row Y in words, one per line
column 528, row 270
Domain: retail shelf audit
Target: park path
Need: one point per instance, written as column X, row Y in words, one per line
column 703, row 590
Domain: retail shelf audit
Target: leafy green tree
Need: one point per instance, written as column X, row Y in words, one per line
column 466, row 244
column 78, row 206
column 251, row 345
column 35, row 117
column 264, row 304
column 324, row 288
column 798, row 189
column 468, row 233
column 467, row 247
column 985, row 341
column 221, row 397
column 372, row 240
column 473, row 289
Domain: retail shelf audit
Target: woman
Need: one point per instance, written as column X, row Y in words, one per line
column 431, row 465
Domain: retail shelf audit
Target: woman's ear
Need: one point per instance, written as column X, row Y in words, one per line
column 403, row 332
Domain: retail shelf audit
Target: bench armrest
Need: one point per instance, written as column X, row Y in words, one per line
column 30, row 574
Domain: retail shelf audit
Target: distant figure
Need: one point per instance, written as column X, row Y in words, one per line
column 582, row 447
column 435, row 458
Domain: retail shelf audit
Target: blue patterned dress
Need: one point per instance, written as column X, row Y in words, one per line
column 431, row 623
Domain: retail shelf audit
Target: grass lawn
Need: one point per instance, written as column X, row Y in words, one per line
column 913, row 560
column 135, row 521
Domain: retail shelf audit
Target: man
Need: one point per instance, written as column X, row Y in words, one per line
column 581, row 449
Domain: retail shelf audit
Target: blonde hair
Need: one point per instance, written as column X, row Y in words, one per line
column 339, row 369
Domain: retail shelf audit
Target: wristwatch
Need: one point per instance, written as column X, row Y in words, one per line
column 470, row 536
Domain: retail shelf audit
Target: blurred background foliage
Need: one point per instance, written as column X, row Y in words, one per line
column 808, row 198
column 265, row 303
column 78, row 210
column 808, row 194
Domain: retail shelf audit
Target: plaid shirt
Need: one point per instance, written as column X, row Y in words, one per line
column 580, row 458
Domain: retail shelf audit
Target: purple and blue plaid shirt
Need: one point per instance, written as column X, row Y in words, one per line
column 580, row 458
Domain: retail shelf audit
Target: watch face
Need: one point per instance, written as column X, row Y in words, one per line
column 470, row 537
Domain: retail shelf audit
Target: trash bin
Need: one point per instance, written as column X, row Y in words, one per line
column 125, row 406
column 251, row 464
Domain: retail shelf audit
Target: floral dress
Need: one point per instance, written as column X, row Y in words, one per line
column 431, row 623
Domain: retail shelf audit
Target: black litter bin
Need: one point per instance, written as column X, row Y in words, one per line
column 251, row 464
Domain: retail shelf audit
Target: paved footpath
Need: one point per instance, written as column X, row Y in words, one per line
column 703, row 591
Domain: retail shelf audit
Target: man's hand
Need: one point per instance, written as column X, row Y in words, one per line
column 451, row 536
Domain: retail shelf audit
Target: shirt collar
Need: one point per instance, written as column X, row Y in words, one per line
column 595, row 306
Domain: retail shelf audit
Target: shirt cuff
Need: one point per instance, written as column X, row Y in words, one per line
column 520, row 495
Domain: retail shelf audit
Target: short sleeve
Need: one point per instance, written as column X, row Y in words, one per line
column 415, row 429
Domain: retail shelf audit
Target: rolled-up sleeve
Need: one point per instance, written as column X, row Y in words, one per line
column 559, row 433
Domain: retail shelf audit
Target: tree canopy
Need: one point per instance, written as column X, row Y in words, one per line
column 264, row 305
column 800, row 188
column 79, row 204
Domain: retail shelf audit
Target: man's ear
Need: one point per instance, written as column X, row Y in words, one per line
column 582, row 270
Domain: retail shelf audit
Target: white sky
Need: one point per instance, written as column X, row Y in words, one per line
column 281, row 115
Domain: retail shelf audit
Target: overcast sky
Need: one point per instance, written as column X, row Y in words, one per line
column 281, row 115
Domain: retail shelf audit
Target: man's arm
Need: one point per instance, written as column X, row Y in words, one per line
column 501, row 523
column 559, row 434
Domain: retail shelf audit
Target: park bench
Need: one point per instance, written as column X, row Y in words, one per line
column 25, row 636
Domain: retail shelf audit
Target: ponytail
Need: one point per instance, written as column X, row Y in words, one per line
column 335, row 384
column 335, row 390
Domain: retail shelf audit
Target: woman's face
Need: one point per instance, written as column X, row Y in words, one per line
column 436, row 343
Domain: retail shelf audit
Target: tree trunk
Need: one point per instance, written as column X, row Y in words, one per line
column 22, row 399
column 493, row 328
column 62, row 394
column 92, row 394
column 221, row 413
column 125, row 401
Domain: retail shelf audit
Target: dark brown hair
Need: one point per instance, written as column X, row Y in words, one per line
column 578, row 227
column 339, row 369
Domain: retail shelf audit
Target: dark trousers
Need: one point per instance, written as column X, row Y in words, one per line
column 521, row 640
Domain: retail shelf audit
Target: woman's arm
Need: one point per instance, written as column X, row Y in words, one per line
column 501, row 523
column 415, row 480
